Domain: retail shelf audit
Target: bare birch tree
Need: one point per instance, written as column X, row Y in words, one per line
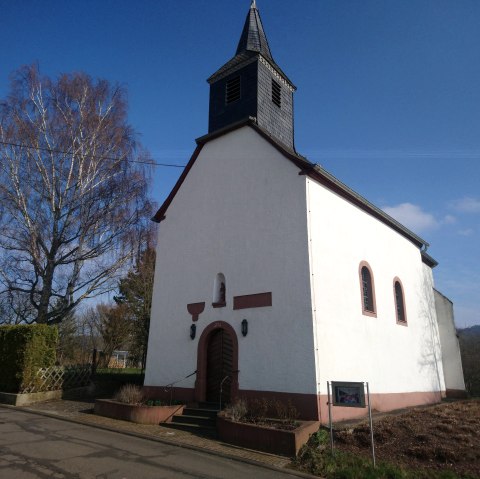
column 71, row 198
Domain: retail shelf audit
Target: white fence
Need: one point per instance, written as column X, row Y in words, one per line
column 58, row 377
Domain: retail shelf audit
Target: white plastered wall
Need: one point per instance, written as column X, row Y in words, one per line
column 351, row 346
column 241, row 212
column 451, row 358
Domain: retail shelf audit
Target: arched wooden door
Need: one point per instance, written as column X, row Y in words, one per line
column 219, row 367
column 217, row 358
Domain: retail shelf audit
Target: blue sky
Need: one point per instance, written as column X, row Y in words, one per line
column 388, row 95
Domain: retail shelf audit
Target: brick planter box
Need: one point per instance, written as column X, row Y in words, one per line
column 261, row 438
column 134, row 413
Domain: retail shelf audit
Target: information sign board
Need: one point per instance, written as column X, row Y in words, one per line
column 348, row 394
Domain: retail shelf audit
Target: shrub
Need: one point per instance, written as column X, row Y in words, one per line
column 319, row 461
column 129, row 394
column 321, row 438
column 257, row 410
column 285, row 411
column 155, row 402
column 23, row 350
column 238, row 410
column 262, row 410
column 107, row 382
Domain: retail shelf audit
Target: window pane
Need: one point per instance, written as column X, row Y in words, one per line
column 367, row 289
column 399, row 302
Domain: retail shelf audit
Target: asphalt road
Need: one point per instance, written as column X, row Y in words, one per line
column 33, row 446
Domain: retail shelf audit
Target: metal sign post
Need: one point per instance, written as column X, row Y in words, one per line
column 371, row 425
column 330, row 417
column 349, row 394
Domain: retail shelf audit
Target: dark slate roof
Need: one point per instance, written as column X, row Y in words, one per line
column 306, row 168
column 253, row 42
column 237, row 62
column 253, row 37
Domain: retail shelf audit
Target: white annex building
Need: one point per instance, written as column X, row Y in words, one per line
column 273, row 277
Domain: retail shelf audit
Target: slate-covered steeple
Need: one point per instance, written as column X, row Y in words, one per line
column 251, row 84
column 253, row 36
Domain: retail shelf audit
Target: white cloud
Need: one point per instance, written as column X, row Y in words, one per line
column 413, row 217
column 466, row 232
column 449, row 220
column 467, row 205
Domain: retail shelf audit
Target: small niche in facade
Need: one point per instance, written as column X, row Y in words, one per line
column 219, row 291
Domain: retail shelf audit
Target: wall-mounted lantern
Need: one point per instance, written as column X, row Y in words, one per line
column 244, row 327
column 193, row 330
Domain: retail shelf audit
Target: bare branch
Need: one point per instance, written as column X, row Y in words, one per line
column 70, row 204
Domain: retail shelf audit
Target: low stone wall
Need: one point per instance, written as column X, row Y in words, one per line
column 134, row 413
column 275, row 441
column 26, row 399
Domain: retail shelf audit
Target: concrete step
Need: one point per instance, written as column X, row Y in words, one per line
column 191, row 419
column 200, row 412
column 194, row 428
column 200, row 421
column 213, row 406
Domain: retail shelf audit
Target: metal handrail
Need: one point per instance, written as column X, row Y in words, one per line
column 221, row 387
column 169, row 387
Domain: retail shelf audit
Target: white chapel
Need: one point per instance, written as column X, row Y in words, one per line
column 273, row 277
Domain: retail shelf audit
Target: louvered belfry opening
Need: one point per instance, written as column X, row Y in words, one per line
column 219, row 366
column 232, row 92
column 276, row 93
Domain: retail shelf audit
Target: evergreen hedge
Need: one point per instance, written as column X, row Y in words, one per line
column 23, row 350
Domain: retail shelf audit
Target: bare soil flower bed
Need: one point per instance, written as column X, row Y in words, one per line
column 440, row 438
column 275, row 440
column 279, row 424
column 248, row 424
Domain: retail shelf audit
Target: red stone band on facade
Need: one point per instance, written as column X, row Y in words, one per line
column 259, row 300
column 311, row 407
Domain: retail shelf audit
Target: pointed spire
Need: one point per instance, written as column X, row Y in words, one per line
column 253, row 36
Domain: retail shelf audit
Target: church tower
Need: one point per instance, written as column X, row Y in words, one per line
column 251, row 84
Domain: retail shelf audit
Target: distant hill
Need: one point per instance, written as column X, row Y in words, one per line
column 471, row 331
column 469, row 339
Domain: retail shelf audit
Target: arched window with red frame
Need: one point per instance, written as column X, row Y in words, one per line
column 367, row 289
column 400, row 310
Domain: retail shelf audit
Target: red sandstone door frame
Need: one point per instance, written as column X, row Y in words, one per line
column 201, row 381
